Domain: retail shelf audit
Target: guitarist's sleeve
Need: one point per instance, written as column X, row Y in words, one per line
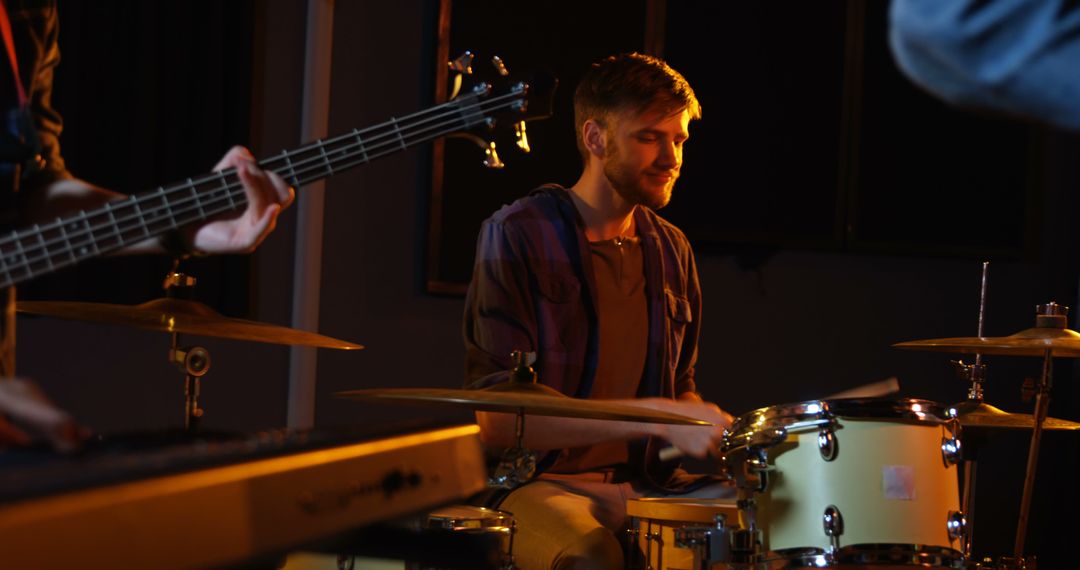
column 42, row 25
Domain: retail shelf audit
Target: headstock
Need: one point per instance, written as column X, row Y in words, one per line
column 495, row 98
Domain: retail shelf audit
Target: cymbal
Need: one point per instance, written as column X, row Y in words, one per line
column 530, row 399
column 1031, row 342
column 983, row 415
column 171, row 315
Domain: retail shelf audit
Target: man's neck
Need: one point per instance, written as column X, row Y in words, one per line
column 605, row 213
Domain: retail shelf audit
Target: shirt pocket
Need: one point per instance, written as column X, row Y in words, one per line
column 560, row 316
column 679, row 316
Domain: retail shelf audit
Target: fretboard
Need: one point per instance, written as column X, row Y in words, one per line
column 43, row 248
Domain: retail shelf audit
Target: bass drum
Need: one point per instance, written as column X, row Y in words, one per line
column 851, row 482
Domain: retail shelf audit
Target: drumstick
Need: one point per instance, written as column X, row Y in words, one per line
column 872, row 390
column 878, row 389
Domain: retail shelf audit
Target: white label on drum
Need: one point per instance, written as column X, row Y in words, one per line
column 898, row 482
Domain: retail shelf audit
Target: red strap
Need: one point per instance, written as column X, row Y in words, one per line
column 9, row 43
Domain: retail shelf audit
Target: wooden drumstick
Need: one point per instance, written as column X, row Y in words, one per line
column 878, row 389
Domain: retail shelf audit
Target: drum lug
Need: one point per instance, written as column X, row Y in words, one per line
column 950, row 451
column 757, row 469
column 827, row 444
column 833, row 523
column 956, row 525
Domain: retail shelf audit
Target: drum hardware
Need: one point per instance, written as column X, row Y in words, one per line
column 707, row 543
column 827, row 445
column 1050, row 316
column 681, row 533
column 833, row 523
column 517, row 464
column 194, row 362
column 956, row 525
column 951, row 446
column 873, row 510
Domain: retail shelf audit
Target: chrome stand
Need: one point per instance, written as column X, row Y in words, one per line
column 517, row 464
column 1050, row 315
column 1042, row 405
column 193, row 361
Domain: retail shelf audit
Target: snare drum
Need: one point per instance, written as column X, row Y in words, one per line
column 851, row 482
column 478, row 520
column 677, row 533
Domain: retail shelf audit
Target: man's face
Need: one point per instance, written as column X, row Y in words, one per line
column 643, row 154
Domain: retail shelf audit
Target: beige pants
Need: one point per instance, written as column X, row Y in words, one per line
column 575, row 521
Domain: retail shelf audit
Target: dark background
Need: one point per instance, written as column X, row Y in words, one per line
column 835, row 210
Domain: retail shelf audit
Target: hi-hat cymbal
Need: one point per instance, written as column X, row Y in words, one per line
column 531, row 399
column 180, row 316
column 982, row 415
column 1031, row 342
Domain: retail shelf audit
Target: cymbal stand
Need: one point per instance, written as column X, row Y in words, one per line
column 976, row 375
column 517, row 464
column 193, row 361
column 1050, row 315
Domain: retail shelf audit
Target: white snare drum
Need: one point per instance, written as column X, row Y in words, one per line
column 851, row 482
column 679, row 534
column 478, row 520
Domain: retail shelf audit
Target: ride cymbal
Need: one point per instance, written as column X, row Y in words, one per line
column 530, row 399
column 182, row 316
column 1035, row 341
column 982, row 415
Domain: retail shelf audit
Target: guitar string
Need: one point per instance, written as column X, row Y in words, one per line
column 315, row 167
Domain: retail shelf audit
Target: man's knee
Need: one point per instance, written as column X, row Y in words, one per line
column 597, row 550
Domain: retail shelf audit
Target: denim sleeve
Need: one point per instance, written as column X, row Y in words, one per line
column 1015, row 56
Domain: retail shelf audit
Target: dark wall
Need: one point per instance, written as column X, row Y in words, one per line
column 780, row 324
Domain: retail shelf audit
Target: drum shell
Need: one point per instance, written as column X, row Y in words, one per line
column 913, row 509
column 654, row 522
column 474, row 520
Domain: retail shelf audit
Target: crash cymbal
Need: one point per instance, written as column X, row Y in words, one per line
column 1031, row 342
column 983, row 415
column 531, row 399
column 180, row 316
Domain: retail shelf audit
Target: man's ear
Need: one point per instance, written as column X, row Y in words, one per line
column 592, row 134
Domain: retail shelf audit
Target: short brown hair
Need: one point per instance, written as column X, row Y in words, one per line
column 629, row 81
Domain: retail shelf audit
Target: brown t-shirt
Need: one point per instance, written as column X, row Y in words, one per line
column 623, row 322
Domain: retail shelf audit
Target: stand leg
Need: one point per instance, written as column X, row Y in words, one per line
column 969, row 505
column 1042, row 405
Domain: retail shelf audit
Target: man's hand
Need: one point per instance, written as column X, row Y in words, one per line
column 696, row 441
column 267, row 195
column 23, row 402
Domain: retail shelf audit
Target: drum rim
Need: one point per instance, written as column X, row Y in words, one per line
column 488, row 518
column 812, row 414
column 872, row 553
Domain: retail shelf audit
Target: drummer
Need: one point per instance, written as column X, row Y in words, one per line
column 606, row 293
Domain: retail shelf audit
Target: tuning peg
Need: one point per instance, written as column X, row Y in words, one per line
column 500, row 67
column 463, row 63
column 520, row 137
column 491, row 158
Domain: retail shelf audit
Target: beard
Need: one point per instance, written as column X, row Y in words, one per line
column 632, row 185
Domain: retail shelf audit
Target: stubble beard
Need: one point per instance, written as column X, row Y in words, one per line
column 628, row 184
